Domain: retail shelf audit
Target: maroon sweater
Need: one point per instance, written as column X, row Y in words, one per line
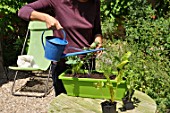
column 81, row 20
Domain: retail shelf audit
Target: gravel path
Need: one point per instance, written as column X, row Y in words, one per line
column 21, row 104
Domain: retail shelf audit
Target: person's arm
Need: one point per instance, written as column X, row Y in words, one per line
column 97, row 29
column 51, row 22
column 97, row 32
column 30, row 12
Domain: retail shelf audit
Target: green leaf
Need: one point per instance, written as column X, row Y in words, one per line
column 122, row 64
column 126, row 56
column 71, row 62
column 9, row 26
column 119, row 77
column 99, row 85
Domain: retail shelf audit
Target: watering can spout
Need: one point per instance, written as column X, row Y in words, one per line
column 81, row 52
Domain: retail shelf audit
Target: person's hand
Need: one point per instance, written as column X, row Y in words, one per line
column 99, row 53
column 52, row 23
column 97, row 44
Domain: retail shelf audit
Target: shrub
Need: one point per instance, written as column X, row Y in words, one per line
column 13, row 30
column 149, row 37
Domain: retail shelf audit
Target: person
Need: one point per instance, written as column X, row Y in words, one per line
column 79, row 18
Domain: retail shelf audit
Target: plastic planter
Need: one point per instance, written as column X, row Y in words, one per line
column 85, row 87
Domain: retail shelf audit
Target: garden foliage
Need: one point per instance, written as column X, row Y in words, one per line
column 147, row 28
column 12, row 28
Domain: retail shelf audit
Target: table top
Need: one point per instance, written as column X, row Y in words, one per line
column 68, row 104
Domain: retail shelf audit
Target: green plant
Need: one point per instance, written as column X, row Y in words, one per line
column 148, row 39
column 113, row 8
column 12, row 29
column 112, row 16
column 162, row 7
column 77, row 62
column 130, row 80
column 119, row 72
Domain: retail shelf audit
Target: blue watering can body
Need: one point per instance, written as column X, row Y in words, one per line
column 54, row 47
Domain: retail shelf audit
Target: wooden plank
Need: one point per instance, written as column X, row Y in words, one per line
column 69, row 104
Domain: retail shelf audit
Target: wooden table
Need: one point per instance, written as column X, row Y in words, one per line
column 69, row 104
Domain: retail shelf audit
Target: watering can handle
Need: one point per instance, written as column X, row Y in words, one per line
column 64, row 35
column 42, row 39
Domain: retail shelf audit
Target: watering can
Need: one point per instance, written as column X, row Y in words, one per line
column 55, row 46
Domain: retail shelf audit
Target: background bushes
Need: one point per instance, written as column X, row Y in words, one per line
column 145, row 31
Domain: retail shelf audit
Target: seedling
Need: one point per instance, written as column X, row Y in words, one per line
column 77, row 63
column 108, row 71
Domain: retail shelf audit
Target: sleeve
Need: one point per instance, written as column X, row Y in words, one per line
column 97, row 22
column 26, row 10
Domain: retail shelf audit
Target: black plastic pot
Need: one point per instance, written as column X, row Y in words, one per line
column 128, row 105
column 108, row 107
column 127, row 101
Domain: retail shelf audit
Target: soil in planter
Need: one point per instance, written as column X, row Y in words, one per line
column 96, row 75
